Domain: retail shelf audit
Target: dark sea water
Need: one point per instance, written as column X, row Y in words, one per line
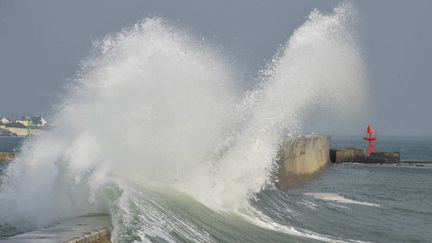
column 373, row 203
column 346, row 203
column 8, row 144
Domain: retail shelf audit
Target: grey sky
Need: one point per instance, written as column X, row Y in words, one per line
column 42, row 42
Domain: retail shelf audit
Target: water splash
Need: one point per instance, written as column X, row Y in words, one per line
column 155, row 108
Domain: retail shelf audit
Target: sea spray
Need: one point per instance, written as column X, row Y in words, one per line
column 149, row 106
column 320, row 67
column 153, row 114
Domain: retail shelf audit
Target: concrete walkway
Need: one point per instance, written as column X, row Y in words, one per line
column 92, row 228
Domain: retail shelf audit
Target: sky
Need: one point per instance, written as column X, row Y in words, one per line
column 42, row 43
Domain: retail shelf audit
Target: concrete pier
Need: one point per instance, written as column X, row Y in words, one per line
column 384, row 158
column 347, row 155
column 301, row 159
column 359, row 156
column 92, row 228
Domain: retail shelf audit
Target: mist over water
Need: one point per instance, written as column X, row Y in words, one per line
column 154, row 119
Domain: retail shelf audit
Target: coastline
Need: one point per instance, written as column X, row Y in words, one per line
column 19, row 132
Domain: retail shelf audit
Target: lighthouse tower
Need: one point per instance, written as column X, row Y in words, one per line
column 371, row 137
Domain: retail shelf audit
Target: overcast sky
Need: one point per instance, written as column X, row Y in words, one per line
column 42, row 43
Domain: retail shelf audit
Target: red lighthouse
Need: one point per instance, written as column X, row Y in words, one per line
column 371, row 137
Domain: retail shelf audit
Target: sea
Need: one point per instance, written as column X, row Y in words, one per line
column 347, row 203
column 9, row 144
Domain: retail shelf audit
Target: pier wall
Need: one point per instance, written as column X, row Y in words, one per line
column 342, row 155
column 91, row 228
column 347, row 155
column 301, row 159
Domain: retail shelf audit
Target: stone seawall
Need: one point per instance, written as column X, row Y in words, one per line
column 91, row 228
column 301, row 159
column 347, row 155
column 342, row 155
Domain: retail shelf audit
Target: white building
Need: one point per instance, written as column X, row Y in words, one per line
column 23, row 121
column 4, row 121
column 39, row 121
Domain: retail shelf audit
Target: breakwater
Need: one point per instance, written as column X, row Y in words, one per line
column 91, row 228
column 359, row 156
column 301, row 159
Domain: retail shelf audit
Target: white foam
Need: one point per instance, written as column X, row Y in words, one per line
column 338, row 206
column 258, row 218
column 335, row 197
column 308, row 204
